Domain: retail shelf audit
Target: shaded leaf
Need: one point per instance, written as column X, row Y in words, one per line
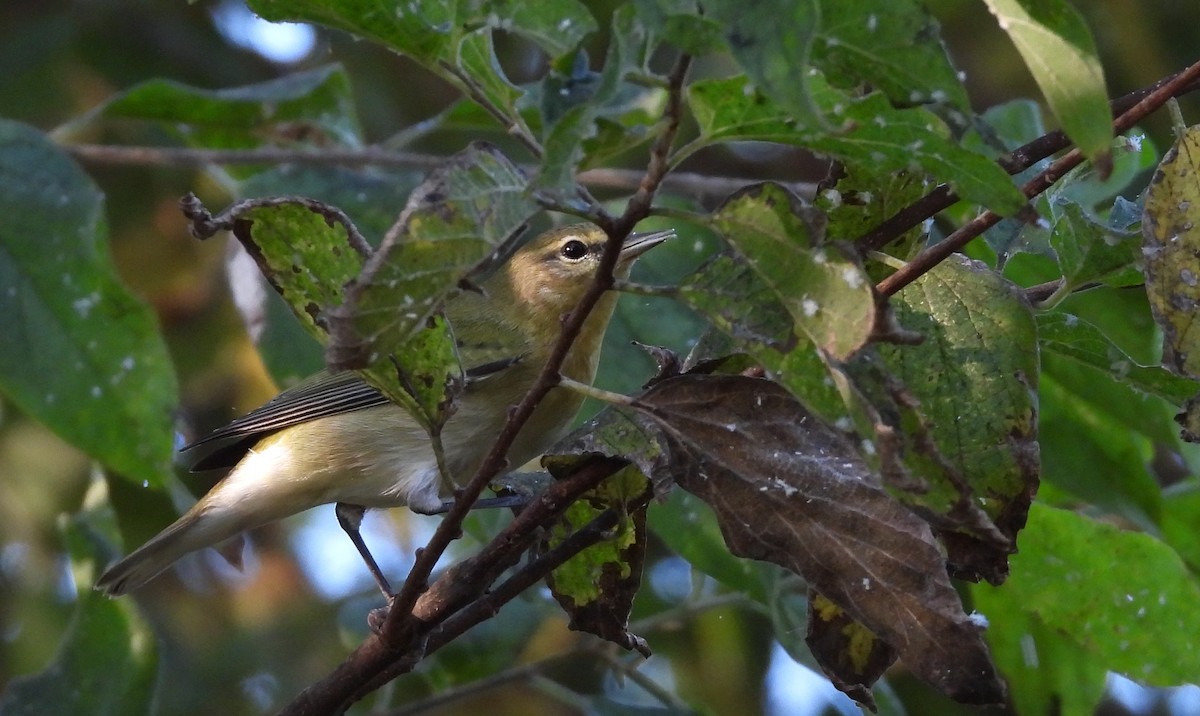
column 315, row 107
column 113, row 390
column 1132, row 606
column 476, row 57
column 679, row 23
column 1073, row 338
column 979, row 331
column 789, row 490
column 895, row 46
column 823, row 287
column 106, row 662
column 690, row 529
column 772, row 40
column 556, row 26
column 1094, row 439
column 1058, row 49
column 864, row 198
column 1090, row 251
column 1171, row 244
column 871, row 133
column 564, row 136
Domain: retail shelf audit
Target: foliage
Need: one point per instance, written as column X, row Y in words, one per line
column 863, row 438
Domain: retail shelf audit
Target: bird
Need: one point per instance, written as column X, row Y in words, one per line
column 334, row 438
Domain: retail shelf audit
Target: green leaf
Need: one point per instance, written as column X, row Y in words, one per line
column 823, row 287
column 1047, row 672
column 773, row 42
column 1094, row 439
column 566, row 129
column 1090, row 251
column 313, row 107
column 895, row 46
column 864, row 198
column 1131, row 605
column 679, row 23
column 1171, row 231
column 980, row 333
column 556, row 26
column 1133, row 155
column 371, row 197
column 304, row 253
column 477, row 60
column 596, row 587
column 873, row 133
column 1075, row 339
column 106, row 662
column 425, row 30
column 80, row 353
column 1057, row 47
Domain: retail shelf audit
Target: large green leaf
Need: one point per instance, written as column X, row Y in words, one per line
column 895, row 46
column 870, row 133
column 1074, row 338
column 315, row 106
column 425, row 30
column 106, row 663
column 80, row 354
column 1047, row 672
column 979, row 349
column 1121, row 599
column 1057, row 47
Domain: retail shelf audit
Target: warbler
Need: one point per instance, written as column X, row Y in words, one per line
column 336, row 439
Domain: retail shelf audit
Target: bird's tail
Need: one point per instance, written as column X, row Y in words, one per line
column 197, row 529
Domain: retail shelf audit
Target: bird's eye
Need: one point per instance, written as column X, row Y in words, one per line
column 574, row 250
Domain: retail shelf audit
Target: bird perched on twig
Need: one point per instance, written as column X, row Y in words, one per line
column 334, row 438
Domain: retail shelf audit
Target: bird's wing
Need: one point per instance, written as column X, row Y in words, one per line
column 320, row 396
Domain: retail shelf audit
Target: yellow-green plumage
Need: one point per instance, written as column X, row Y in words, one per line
column 377, row 455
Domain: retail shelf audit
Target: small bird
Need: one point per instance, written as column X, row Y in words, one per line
column 334, row 438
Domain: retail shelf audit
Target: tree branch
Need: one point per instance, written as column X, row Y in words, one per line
column 927, row 259
column 1020, row 159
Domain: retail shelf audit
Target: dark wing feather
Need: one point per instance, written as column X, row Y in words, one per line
column 318, row 397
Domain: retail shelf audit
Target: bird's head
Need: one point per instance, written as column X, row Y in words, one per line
column 551, row 273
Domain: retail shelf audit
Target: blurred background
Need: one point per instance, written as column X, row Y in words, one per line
column 245, row 642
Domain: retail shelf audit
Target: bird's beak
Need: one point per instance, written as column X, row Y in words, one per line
column 638, row 244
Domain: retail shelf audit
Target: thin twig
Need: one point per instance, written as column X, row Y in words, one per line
column 1020, row 159
column 935, row 254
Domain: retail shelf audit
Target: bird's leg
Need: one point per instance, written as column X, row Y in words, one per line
column 350, row 517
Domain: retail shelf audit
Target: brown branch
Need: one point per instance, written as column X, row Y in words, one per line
column 417, row 609
column 934, row 255
column 1020, row 159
